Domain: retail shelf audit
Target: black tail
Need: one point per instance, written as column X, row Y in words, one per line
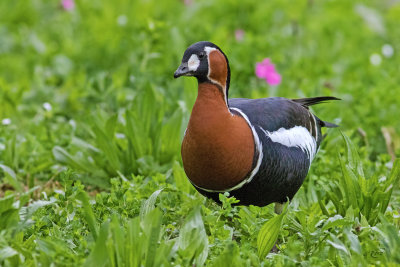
column 306, row 102
column 328, row 124
column 325, row 123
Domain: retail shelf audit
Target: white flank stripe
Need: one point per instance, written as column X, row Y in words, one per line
column 297, row 136
column 260, row 156
column 316, row 128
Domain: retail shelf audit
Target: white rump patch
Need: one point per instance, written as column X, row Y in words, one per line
column 297, row 136
column 193, row 62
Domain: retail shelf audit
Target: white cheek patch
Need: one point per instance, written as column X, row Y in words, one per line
column 193, row 62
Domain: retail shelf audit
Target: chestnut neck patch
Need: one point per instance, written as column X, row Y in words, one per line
column 218, row 70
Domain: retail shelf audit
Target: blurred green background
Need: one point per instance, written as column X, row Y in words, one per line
column 87, row 94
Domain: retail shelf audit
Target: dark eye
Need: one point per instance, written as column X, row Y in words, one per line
column 202, row 54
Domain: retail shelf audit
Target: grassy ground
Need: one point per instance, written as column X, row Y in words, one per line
column 92, row 119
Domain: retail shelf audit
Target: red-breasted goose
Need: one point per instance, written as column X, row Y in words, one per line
column 258, row 150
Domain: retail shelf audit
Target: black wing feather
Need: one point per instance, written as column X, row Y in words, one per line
column 306, row 102
column 273, row 113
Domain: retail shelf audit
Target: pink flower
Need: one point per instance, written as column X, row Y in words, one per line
column 266, row 70
column 239, row 35
column 68, row 4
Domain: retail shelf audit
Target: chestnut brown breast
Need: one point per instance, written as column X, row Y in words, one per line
column 218, row 147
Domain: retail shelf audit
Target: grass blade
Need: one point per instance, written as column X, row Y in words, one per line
column 99, row 255
column 152, row 228
column 88, row 213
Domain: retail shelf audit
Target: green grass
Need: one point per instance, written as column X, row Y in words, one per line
column 97, row 180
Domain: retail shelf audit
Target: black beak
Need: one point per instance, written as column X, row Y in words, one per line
column 182, row 70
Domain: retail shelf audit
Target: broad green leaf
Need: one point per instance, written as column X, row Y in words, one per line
column 354, row 242
column 135, row 135
column 181, row 181
column 352, row 156
column 7, row 252
column 322, row 206
column 337, row 244
column 393, row 182
column 109, row 148
column 170, row 135
column 6, row 203
column 110, row 126
column 335, row 221
column 11, row 177
column 152, row 228
column 390, row 239
column 229, row 257
column 25, row 213
column 348, row 185
column 193, row 240
column 149, row 204
column 61, row 155
column 83, row 144
column 134, row 247
column 269, row 233
column 118, row 243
